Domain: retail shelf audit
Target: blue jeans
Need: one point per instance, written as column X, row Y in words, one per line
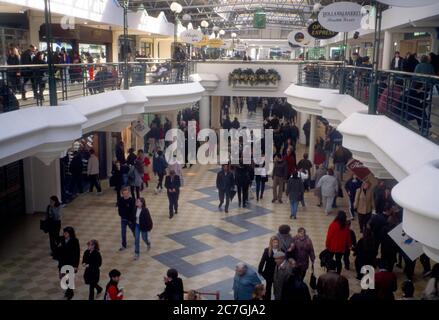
column 123, row 225
column 294, row 205
column 137, row 234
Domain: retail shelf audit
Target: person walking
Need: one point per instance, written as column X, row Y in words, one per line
column 159, row 167
column 172, row 185
column 224, row 183
column 320, row 172
column 351, row 187
column 328, row 185
column 93, row 172
column 135, row 175
column 385, row 283
column 261, row 179
column 53, row 221
column 244, row 282
column 364, row 204
column 303, row 252
column 295, row 190
column 285, row 239
column 68, row 255
column 126, row 209
column 112, row 291
column 282, row 272
column 305, row 165
column 244, row 175
column 143, row 225
column 116, row 180
column 431, row 291
column 280, row 173
column 332, row 286
column 92, row 261
column 365, row 252
column 174, row 290
column 76, row 169
column 338, row 239
column 267, row 265
column 295, row 289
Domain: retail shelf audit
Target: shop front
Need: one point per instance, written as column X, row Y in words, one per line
column 12, row 204
column 81, row 40
column 14, row 31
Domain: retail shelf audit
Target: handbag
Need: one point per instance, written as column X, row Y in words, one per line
column 313, row 280
column 44, row 226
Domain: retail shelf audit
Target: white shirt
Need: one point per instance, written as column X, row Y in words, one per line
column 138, row 211
column 396, row 62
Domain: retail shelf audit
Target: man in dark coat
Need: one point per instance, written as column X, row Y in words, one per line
column 76, row 168
column 172, row 185
column 332, row 286
column 224, row 183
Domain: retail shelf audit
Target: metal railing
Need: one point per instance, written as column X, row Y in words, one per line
column 411, row 99
column 27, row 85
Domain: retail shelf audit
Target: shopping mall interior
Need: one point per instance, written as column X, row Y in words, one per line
column 341, row 96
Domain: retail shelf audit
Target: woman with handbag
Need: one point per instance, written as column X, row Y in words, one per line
column 142, row 226
column 53, row 223
column 267, row 265
column 92, row 261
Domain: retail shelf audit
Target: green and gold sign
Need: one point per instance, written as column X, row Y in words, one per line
column 316, row 30
column 215, row 43
column 259, row 19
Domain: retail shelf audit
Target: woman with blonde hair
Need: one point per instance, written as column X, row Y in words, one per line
column 267, row 264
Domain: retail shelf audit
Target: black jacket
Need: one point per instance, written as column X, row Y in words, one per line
column 173, row 184
column 294, row 289
column 145, row 220
column 69, row 253
column 94, row 261
column 244, row 175
column 400, row 64
column 225, row 182
column 267, row 265
column 280, row 169
column 76, row 165
column 173, row 291
column 126, row 208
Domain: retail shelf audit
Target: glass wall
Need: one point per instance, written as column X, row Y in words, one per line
column 12, row 37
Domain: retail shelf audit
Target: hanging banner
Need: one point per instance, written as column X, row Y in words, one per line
column 191, row 36
column 408, row 3
column 412, row 248
column 215, row 43
column 300, row 38
column 341, row 16
column 316, row 30
column 359, row 169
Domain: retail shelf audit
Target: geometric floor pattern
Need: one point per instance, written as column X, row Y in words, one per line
column 202, row 243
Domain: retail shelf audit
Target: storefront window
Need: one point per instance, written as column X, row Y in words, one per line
column 12, row 37
column 97, row 51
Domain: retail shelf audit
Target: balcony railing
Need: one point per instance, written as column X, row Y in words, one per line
column 411, row 99
column 27, row 85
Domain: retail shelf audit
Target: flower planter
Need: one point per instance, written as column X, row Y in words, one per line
column 259, row 86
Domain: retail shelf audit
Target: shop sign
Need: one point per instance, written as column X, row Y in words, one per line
column 215, row 43
column 412, row 248
column 359, row 169
column 316, row 30
column 204, row 42
column 191, row 36
column 240, row 47
column 300, row 38
column 341, row 16
column 408, row 3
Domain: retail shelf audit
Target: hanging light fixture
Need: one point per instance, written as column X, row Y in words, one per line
column 176, row 7
column 233, row 35
column 222, row 32
column 186, row 17
column 204, row 24
column 190, row 26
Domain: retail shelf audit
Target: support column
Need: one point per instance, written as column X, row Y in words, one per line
column 387, row 50
column 215, row 115
column 328, row 52
column 302, row 119
column 35, row 22
column 109, row 152
column 312, row 137
column 205, row 112
column 40, row 183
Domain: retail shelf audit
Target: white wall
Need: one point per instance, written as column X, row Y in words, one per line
column 287, row 71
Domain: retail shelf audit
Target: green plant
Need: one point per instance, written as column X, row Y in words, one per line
column 248, row 76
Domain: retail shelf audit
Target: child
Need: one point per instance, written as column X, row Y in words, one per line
column 112, row 292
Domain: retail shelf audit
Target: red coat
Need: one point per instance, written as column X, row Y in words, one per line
column 291, row 163
column 338, row 240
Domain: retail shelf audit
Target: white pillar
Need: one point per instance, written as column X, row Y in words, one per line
column 302, row 119
column 205, row 112
column 35, row 22
column 109, row 152
column 328, row 52
column 312, row 137
column 387, row 50
column 40, row 183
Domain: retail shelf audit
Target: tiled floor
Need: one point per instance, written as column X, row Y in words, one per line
column 201, row 242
